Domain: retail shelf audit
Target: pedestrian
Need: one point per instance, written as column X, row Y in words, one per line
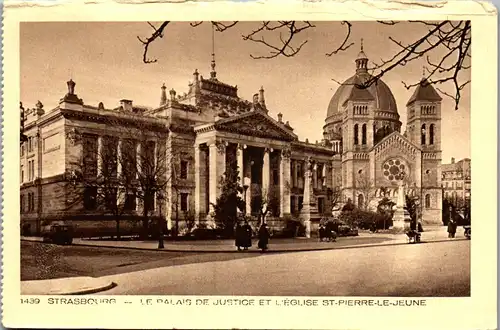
column 246, row 235
column 239, row 236
column 321, row 232
column 452, row 225
column 263, row 237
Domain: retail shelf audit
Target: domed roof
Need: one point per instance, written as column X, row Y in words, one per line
column 378, row 92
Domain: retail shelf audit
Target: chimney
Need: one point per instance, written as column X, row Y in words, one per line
column 126, row 105
column 453, row 160
column 280, row 117
column 163, row 98
column 196, row 81
column 262, row 101
column 255, row 98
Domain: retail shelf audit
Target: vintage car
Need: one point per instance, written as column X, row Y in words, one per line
column 58, row 234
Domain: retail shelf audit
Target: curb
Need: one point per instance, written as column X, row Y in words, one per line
column 91, row 291
column 394, row 242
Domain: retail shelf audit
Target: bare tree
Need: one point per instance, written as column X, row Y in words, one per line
column 366, row 187
column 119, row 171
column 287, row 38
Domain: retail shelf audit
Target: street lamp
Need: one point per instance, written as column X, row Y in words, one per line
column 246, row 185
column 160, row 223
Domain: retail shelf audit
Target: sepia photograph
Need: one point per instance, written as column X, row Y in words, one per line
column 246, row 158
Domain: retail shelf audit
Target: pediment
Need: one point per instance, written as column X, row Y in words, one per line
column 395, row 141
column 255, row 123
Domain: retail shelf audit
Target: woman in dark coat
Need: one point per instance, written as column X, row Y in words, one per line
column 452, row 225
column 246, row 236
column 263, row 237
column 239, row 236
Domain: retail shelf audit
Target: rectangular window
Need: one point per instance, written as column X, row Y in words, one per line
column 149, row 201
column 30, row 146
column 292, row 204
column 184, row 202
column 301, row 202
column 89, row 155
column 22, row 203
column 109, row 156
column 90, row 198
column 22, row 149
column 31, row 170
column 184, row 169
column 130, row 202
column 22, row 173
column 111, row 199
column 321, row 205
column 32, row 202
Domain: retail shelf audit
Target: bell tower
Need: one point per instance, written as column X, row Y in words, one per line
column 424, row 130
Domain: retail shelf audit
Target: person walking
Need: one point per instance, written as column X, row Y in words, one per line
column 246, row 235
column 263, row 237
column 239, row 236
column 452, row 225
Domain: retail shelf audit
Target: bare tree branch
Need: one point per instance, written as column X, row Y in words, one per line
column 158, row 33
column 282, row 38
column 343, row 46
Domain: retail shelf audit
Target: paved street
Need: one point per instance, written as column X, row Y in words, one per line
column 427, row 269
column 47, row 261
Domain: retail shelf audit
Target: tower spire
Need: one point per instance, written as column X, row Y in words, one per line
column 361, row 60
column 213, row 74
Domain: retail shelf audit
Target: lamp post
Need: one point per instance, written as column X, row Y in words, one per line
column 160, row 223
column 246, row 185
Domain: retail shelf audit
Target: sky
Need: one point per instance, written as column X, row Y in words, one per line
column 105, row 61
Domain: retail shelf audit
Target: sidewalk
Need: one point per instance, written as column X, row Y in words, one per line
column 66, row 286
column 431, row 234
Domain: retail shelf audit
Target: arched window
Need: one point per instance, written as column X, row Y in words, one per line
column 361, row 201
column 356, row 139
column 422, row 138
column 363, row 134
column 427, row 201
column 431, row 134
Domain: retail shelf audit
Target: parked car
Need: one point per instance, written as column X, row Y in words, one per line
column 58, row 234
column 346, row 230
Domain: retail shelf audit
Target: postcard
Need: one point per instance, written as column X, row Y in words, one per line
column 308, row 165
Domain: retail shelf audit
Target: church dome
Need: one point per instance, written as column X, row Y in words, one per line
column 378, row 92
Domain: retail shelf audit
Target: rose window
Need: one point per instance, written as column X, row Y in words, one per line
column 395, row 169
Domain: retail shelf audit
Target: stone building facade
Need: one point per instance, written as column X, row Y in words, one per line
column 456, row 180
column 210, row 127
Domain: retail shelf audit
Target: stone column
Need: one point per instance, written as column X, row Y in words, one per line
column 197, row 183
column 239, row 156
column 99, row 155
column 285, row 184
column 266, row 173
column 217, row 154
column 294, row 173
column 119, row 158
column 138, row 157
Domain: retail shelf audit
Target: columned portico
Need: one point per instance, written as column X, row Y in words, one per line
column 217, row 167
column 285, row 185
